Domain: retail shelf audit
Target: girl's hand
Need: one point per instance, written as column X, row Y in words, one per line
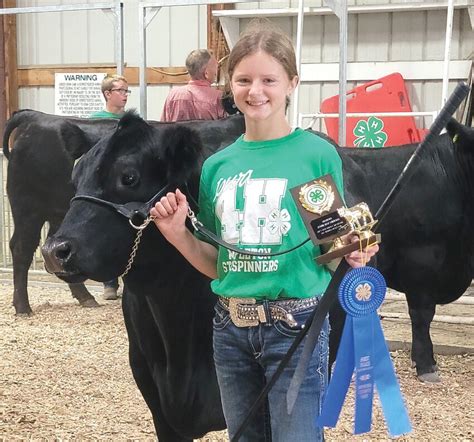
column 359, row 258
column 170, row 215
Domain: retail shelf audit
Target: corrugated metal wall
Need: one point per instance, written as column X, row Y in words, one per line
column 84, row 37
column 87, row 37
column 377, row 37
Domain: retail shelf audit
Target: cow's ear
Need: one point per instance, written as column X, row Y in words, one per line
column 131, row 130
column 75, row 140
column 181, row 151
column 454, row 129
column 130, row 119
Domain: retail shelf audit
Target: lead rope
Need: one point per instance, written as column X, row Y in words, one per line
column 138, row 238
column 136, row 243
column 195, row 223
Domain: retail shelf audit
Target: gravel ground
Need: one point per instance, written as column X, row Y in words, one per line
column 65, row 375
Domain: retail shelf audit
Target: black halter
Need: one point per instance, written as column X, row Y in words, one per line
column 136, row 212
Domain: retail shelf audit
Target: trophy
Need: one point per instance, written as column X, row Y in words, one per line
column 328, row 221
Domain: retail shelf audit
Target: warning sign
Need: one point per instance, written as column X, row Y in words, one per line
column 78, row 95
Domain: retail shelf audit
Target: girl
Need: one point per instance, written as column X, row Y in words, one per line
column 244, row 198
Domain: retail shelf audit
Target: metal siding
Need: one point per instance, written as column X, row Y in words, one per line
column 50, row 38
column 408, row 36
column 178, row 30
column 97, row 34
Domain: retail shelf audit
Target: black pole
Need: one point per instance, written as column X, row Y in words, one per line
column 312, row 329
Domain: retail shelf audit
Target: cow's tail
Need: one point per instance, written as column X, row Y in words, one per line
column 15, row 120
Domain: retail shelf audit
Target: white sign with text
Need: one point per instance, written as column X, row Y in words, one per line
column 78, row 95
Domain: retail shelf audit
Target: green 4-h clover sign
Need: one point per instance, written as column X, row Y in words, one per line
column 369, row 133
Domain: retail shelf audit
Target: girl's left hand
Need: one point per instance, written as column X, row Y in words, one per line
column 360, row 258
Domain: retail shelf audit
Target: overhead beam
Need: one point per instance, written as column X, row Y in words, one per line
column 44, row 75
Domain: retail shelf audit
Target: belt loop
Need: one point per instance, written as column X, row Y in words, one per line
column 268, row 313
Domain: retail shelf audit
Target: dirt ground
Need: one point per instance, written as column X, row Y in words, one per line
column 64, row 375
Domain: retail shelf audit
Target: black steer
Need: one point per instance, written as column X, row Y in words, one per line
column 427, row 239
column 167, row 304
column 39, row 185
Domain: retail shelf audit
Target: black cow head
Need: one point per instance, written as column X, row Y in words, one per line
column 131, row 165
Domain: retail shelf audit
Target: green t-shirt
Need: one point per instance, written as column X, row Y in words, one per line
column 245, row 198
column 106, row 114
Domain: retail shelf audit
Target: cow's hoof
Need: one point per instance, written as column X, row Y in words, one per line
column 23, row 311
column 90, row 303
column 23, row 314
column 429, row 377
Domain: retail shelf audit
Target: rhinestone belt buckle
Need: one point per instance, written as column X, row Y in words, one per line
column 240, row 321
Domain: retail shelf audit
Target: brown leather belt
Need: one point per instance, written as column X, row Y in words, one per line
column 246, row 312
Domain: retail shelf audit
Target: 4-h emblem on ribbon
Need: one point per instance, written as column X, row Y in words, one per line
column 369, row 133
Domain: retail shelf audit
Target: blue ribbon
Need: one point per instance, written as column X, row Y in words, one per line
column 364, row 349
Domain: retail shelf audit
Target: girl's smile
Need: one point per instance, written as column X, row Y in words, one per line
column 261, row 86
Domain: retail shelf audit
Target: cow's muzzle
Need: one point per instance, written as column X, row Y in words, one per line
column 57, row 255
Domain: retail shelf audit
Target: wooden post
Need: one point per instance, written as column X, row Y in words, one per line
column 215, row 37
column 3, row 102
column 10, row 82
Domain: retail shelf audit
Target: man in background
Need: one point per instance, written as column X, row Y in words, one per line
column 198, row 100
column 116, row 92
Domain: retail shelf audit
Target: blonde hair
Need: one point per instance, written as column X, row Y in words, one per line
column 109, row 80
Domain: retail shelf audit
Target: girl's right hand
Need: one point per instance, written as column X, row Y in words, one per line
column 170, row 215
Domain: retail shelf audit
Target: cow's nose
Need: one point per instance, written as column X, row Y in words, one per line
column 62, row 251
column 56, row 254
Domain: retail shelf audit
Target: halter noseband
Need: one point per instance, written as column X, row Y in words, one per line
column 136, row 212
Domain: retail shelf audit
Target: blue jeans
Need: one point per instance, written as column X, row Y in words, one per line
column 247, row 357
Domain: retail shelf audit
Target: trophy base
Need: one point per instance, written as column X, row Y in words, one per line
column 344, row 250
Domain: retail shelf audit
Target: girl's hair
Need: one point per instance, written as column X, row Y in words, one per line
column 263, row 35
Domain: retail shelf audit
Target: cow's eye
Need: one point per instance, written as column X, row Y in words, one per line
column 129, row 179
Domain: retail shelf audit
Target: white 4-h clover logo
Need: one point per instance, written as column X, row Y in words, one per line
column 363, row 292
column 369, row 133
column 279, row 221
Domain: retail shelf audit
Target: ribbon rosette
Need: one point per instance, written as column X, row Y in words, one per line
column 363, row 348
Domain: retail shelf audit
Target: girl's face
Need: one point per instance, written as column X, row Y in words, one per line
column 260, row 86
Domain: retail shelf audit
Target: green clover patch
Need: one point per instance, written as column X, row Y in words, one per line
column 369, row 133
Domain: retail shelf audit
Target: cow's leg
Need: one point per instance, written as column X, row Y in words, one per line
column 133, row 309
column 23, row 244
column 421, row 315
column 78, row 291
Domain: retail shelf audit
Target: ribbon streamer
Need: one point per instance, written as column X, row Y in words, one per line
column 364, row 349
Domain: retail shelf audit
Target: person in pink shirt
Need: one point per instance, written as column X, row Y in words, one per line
column 198, row 100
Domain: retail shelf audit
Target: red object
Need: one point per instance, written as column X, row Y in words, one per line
column 387, row 94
